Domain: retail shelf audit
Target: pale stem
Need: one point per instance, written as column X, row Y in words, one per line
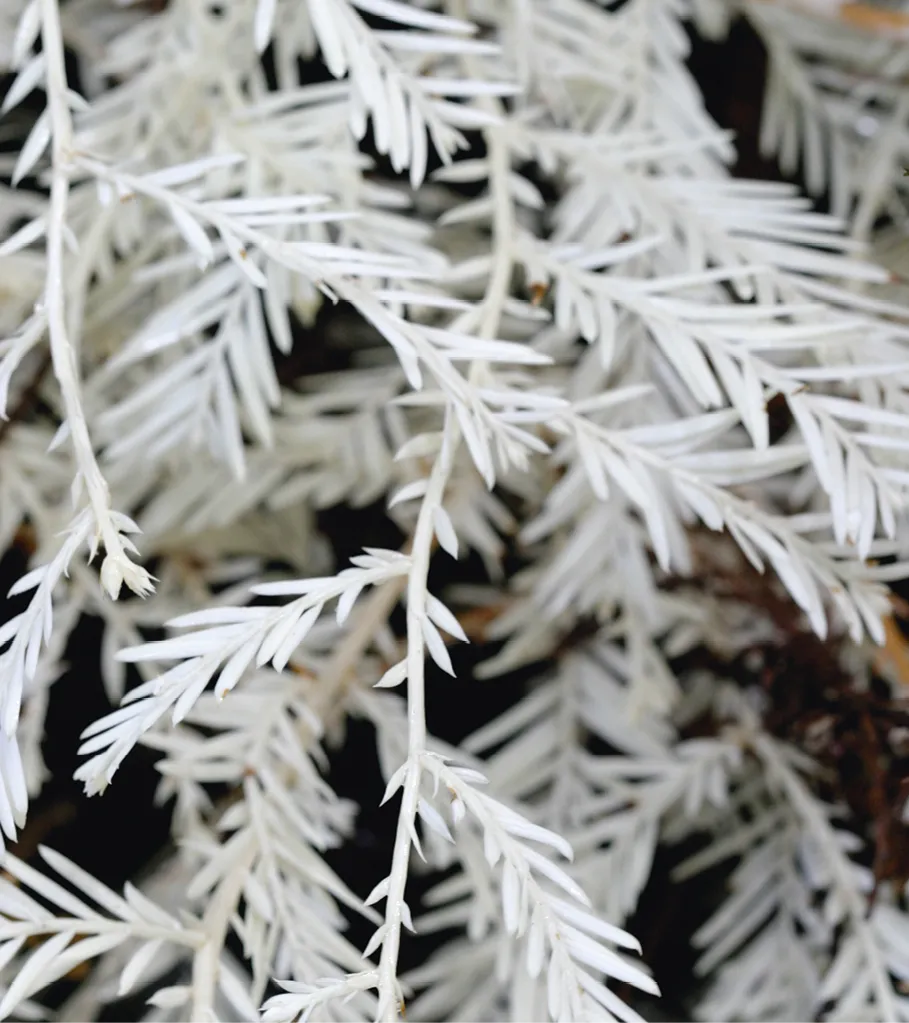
column 503, row 224
column 63, row 353
column 416, row 719
column 490, row 316
column 503, row 230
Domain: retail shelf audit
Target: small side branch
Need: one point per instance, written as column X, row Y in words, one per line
column 117, row 567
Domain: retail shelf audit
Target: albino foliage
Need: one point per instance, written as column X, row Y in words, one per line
column 483, row 261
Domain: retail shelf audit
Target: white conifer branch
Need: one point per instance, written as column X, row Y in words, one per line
column 116, row 567
column 562, row 348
